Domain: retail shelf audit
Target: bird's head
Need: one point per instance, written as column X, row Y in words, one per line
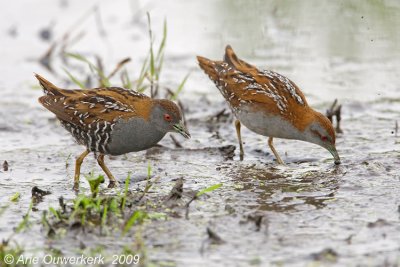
column 167, row 117
column 320, row 131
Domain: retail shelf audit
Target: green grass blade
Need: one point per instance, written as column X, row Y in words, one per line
column 104, row 216
column 127, row 181
column 208, row 189
column 148, row 170
column 142, row 76
column 77, row 57
column 152, row 69
column 160, row 51
column 159, row 67
column 15, row 197
column 25, row 220
column 137, row 217
column 74, row 80
column 55, row 213
column 93, row 68
column 180, row 87
column 3, row 209
column 126, row 81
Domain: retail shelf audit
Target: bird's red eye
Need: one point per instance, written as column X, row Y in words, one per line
column 167, row 117
column 324, row 138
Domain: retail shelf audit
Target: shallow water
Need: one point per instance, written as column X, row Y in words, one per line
column 348, row 50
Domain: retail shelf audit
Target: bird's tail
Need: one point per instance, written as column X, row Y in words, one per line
column 48, row 87
column 210, row 67
column 231, row 58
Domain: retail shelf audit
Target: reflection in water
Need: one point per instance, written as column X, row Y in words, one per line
column 287, row 190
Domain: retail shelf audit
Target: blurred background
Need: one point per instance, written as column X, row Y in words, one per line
column 333, row 48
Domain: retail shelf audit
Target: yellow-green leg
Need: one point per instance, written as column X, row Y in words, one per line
column 113, row 182
column 271, row 145
column 78, row 164
column 239, row 136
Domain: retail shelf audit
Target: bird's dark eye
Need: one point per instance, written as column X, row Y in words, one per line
column 324, row 138
column 167, row 117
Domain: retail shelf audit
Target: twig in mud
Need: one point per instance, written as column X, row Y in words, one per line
column 213, row 239
column 220, row 114
column 67, row 161
column 67, row 42
column 169, row 93
column 149, row 184
column 88, row 82
column 99, row 21
column 63, row 206
column 257, row 219
column 5, row 166
column 51, row 232
column 45, row 60
column 118, row 67
column 188, row 204
column 198, row 194
column 176, row 142
column 176, row 191
column 335, row 111
column 100, row 68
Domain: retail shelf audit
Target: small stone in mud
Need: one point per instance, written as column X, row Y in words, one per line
column 230, row 209
column 378, row 223
column 257, row 219
column 5, row 166
column 349, row 239
column 176, row 191
column 62, row 204
column 45, row 34
column 82, row 245
column 326, row 255
column 228, row 151
column 38, row 194
column 75, row 225
column 51, row 232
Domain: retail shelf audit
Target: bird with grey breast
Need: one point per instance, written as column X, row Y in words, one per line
column 111, row 120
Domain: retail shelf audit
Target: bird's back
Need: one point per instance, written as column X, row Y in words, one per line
column 91, row 115
column 241, row 84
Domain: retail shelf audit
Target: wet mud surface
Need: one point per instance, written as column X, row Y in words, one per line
column 307, row 212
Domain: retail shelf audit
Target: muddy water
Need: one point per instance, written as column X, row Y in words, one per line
column 296, row 215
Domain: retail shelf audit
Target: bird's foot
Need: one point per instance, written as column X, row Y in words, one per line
column 76, row 187
column 280, row 161
column 113, row 184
